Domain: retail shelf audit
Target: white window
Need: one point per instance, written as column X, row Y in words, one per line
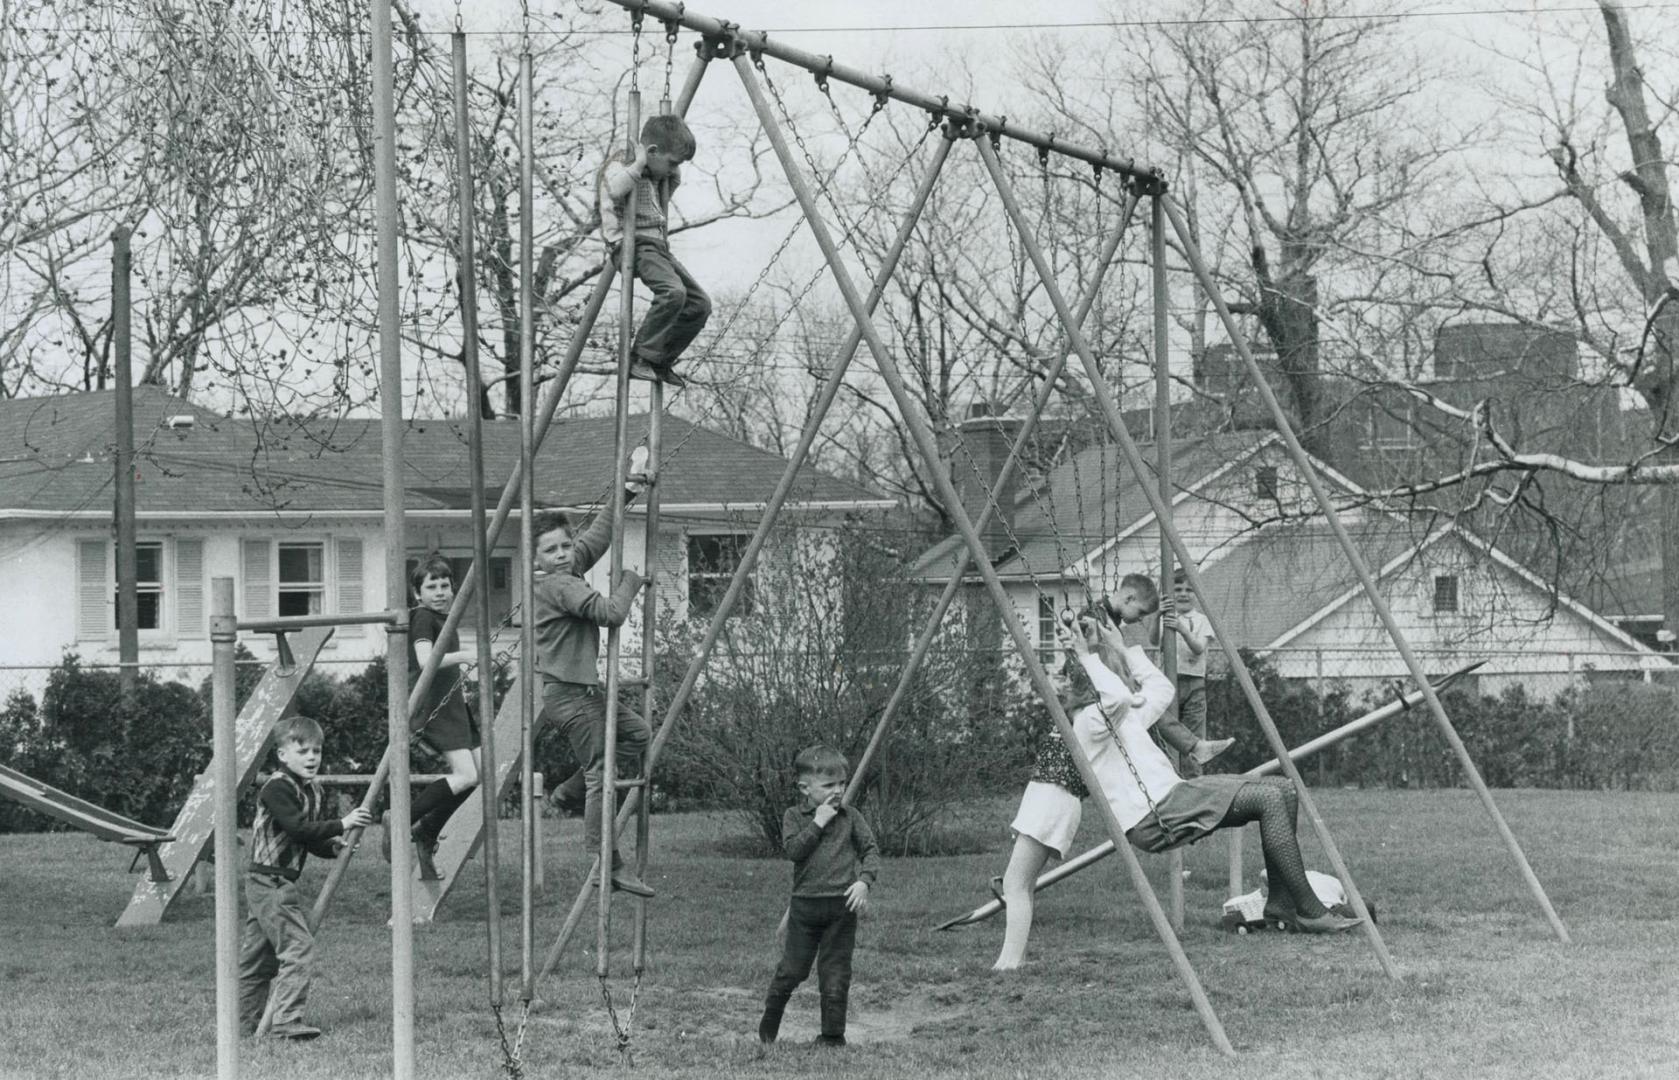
column 1046, row 631
column 302, row 578
column 1445, row 594
column 713, row 559
column 148, row 581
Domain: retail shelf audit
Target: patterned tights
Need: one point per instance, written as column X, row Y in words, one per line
column 1273, row 803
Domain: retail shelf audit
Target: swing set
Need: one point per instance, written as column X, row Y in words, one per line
column 958, row 124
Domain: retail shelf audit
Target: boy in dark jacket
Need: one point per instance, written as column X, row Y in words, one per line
column 276, row 949
column 835, row 863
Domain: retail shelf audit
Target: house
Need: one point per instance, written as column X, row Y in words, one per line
column 292, row 511
column 1273, row 571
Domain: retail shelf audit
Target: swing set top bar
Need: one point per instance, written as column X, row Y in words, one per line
column 883, row 86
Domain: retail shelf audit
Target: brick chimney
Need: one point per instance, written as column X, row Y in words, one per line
column 976, row 459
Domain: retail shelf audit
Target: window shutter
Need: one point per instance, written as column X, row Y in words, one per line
column 189, row 589
column 256, row 558
column 93, row 590
column 352, row 595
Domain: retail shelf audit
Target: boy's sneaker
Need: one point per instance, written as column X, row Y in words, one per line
column 828, row 1040
column 669, row 377
column 642, row 370
column 296, row 1032
column 1205, row 750
column 385, row 835
column 425, row 851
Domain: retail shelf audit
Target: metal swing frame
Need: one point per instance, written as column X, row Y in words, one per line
column 724, row 40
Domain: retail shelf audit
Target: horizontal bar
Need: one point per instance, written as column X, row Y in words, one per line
column 300, row 622
column 883, row 86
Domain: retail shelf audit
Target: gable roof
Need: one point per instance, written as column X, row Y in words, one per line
column 1091, row 501
column 55, row 459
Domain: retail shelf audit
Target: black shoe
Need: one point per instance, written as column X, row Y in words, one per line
column 645, row 372
column 669, row 377
column 295, row 1032
column 828, row 1040
column 425, row 853
column 769, row 1027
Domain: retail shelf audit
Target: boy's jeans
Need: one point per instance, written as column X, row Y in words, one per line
column 580, row 712
column 276, row 954
column 679, row 310
column 820, row 929
column 1189, row 726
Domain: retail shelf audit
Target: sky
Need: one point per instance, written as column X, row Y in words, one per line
column 977, row 39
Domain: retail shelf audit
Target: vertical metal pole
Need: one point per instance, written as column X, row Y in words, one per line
column 1366, row 579
column 928, row 448
column 396, row 639
column 396, row 642
column 538, row 792
column 614, row 635
column 1163, row 459
column 1162, row 512
column 223, row 710
column 527, row 526
column 772, row 510
column 128, row 593
column 649, row 658
column 480, row 541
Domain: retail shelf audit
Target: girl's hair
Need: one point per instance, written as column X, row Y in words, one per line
column 433, row 565
column 821, row 760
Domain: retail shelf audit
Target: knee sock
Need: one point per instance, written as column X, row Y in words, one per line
column 432, row 796
column 1284, row 865
column 430, row 827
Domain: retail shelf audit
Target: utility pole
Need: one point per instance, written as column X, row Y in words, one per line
column 128, row 593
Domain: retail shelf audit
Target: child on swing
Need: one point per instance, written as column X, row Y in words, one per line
column 1137, row 599
column 446, row 722
column 1157, row 809
column 680, row 307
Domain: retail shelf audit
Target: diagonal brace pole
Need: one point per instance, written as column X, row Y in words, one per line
column 772, row 510
column 928, row 449
column 1163, row 516
column 1362, row 569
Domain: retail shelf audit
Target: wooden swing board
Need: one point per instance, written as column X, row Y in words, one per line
column 194, row 828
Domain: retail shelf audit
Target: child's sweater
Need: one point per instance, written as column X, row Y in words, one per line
column 827, row 860
column 616, row 183
column 291, row 824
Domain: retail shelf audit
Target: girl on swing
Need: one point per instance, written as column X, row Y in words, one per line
column 1157, row 809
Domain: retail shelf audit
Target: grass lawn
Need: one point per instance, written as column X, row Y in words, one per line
column 1487, row 991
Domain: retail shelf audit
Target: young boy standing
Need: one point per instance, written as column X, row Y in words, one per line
column 1195, row 634
column 835, row 863
column 1137, row 599
column 680, row 307
column 569, row 615
column 276, row 948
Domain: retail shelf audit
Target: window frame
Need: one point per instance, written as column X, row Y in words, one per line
column 160, row 588
column 320, row 587
column 1452, row 582
column 1267, row 483
column 708, row 585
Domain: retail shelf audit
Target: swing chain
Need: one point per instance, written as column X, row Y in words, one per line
column 622, row 1032
column 670, row 53
column 460, row 26
column 511, row 1065
column 635, row 50
column 525, row 31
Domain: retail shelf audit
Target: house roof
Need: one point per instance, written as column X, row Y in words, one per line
column 1091, row 499
column 1286, row 573
column 55, row 458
